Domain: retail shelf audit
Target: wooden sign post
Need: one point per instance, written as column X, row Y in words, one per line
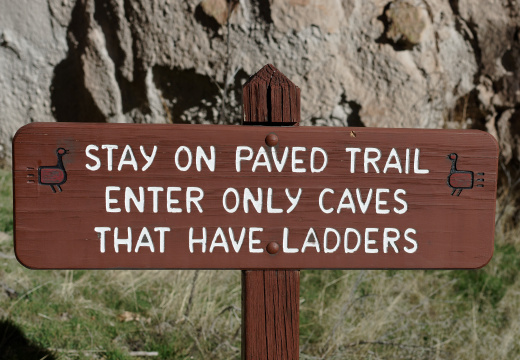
column 268, row 200
column 271, row 298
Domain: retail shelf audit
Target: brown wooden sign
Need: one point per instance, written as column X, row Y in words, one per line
column 243, row 197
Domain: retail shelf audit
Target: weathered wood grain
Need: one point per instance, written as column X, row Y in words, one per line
column 270, row 97
column 56, row 230
column 270, row 308
column 271, row 298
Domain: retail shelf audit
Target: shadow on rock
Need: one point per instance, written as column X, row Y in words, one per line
column 70, row 99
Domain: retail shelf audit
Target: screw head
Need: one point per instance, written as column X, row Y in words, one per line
column 273, row 247
column 271, row 140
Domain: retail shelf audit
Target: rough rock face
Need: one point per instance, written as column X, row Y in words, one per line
column 413, row 63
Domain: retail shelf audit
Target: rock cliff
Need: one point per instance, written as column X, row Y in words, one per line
column 413, row 63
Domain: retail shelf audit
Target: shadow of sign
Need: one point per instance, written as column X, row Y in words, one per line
column 15, row 346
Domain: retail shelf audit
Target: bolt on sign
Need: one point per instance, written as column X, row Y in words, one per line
column 242, row 197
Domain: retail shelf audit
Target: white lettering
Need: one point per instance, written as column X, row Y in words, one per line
column 109, row 201
column 215, row 243
column 129, row 195
column 201, row 155
column 161, row 230
column 350, row 205
column 170, row 201
column 326, row 249
column 313, row 160
column 416, row 169
column 155, row 196
column 149, row 159
column 257, row 203
column 270, row 208
column 327, row 190
column 294, row 201
column 193, row 199
column 364, row 205
column 239, row 157
column 407, row 163
column 279, row 164
column 353, row 152
column 237, row 200
column 296, row 161
column 93, row 157
column 127, row 153
column 387, row 239
column 177, row 155
column 144, row 235
column 311, row 240
column 285, row 243
column 109, row 149
column 237, row 245
column 369, row 241
column 380, row 202
column 127, row 241
column 347, row 249
column 258, row 162
column 101, row 231
column 400, row 201
column 253, row 241
column 396, row 164
column 372, row 160
column 410, row 240
column 201, row 241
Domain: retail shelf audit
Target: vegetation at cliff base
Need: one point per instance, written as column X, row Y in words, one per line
column 180, row 314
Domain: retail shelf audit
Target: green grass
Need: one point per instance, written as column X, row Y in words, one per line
column 490, row 285
column 343, row 314
column 6, row 202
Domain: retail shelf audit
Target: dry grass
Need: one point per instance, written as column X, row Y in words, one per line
column 343, row 315
column 470, row 314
